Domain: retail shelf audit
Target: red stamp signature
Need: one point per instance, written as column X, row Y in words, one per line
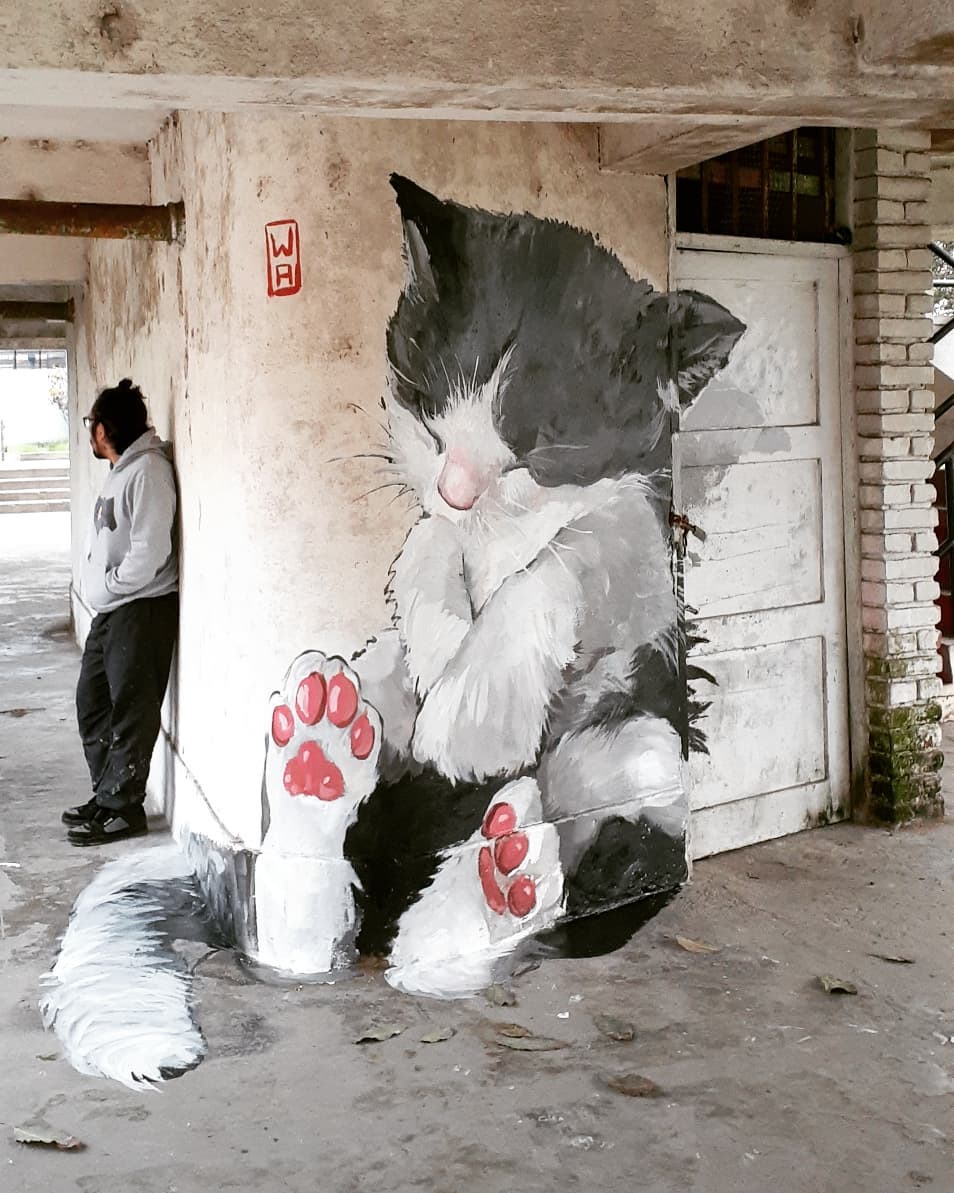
column 283, row 253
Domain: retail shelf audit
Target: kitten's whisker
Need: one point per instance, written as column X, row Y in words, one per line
column 446, row 376
column 404, row 377
column 377, row 489
column 557, row 447
column 361, row 456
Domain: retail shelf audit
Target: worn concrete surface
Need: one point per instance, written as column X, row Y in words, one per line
column 768, row 1083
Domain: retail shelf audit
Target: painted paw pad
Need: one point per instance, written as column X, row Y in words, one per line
column 498, row 864
column 322, row 729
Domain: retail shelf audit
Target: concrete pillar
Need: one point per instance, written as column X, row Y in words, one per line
column 895, row 401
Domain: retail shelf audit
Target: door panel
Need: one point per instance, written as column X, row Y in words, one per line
column 757, row 465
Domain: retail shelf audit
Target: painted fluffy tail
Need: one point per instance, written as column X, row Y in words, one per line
column 118, row 997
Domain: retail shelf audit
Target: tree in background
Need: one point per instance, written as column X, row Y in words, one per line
column 58, row 393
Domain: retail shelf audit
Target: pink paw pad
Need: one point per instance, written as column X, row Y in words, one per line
column 309, row 771
column 496, row 865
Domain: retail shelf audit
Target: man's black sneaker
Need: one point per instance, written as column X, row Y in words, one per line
column 108, row 825
column 82, row 813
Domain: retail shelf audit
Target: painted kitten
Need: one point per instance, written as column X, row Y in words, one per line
column 506, row 761
column 532, row 692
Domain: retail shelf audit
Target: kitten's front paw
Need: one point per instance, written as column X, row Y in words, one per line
column 501, row 886
column 321, row 753
column 320, row 763
column 470, row 728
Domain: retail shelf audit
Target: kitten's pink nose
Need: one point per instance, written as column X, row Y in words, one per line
column 459, row 483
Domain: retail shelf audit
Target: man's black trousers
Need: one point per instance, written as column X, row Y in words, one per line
column 122, row 681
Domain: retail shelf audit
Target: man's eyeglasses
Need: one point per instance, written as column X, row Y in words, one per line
column 89, row 422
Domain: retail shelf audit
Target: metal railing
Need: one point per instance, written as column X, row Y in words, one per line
column 942, row 284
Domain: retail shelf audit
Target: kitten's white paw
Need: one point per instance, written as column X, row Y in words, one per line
column 502, row 885
column 320, row 764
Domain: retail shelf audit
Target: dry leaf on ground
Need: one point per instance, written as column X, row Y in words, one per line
column 633, row 1085
column 514, row 1031
column 696, row 946
column 46, row 1137
column 379, row 1032
column 438, row 1035
column 833, row 985
column 615, row 1029
column 530, row 1043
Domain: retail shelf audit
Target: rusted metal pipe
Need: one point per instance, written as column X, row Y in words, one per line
column 113, row 221
column 37, row 312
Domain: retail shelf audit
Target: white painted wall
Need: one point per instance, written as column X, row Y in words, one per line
column 280, row 550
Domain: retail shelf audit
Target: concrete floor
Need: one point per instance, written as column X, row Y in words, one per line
column 769, row 1084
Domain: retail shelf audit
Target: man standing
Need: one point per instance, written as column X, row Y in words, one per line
column 131, row 579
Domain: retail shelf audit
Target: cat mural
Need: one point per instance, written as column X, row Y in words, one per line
column 503, row 766
column 510, row 753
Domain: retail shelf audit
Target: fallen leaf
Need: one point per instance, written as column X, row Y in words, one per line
column 501, row 996
column 832, row 985
column 531, row 1043
column 633, row 1085
column 375, row 1035
column 614, row 1029
column 696, row 946
column 438, row 1035
column 515, row 1031
column 893, row 959
column 48, row 1056
column 45, row 1137
column 17, row 712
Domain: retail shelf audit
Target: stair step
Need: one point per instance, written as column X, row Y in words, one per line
column 35, row 492
column 8, row 475
column 34, row 507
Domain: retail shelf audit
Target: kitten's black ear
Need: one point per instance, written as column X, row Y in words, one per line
column 702, row 334
column 424, row 218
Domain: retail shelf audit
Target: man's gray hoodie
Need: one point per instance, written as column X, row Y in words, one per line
column 132, row 548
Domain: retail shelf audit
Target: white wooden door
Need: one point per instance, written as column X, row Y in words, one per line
column 757, row 465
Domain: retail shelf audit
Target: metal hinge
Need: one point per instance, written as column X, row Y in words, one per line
column 681, row 524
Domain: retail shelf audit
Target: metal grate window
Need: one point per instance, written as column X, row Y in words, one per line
column 32, row 358
column 782, row 189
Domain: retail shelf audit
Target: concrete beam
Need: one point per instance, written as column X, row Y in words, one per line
column 29, row 332
column 18, row 310
column 605, row 60
column 34, row 293
column 100, row 221
column 665, row 146
column 63, row 171
column 44, row 341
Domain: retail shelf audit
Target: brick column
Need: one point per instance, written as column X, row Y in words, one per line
column 895, row 403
